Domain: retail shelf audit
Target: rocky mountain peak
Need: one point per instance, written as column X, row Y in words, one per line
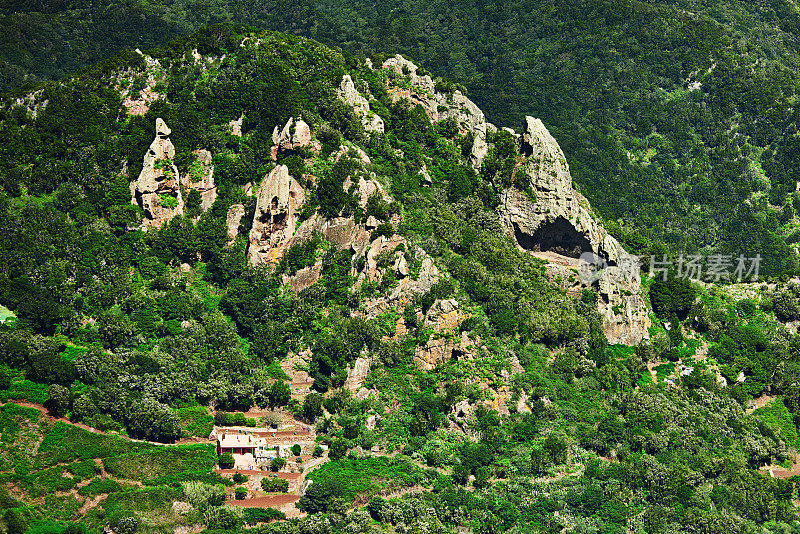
column 555, row 223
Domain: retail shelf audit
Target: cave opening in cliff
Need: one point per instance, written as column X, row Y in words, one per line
column 559, row 236
column 279, row 221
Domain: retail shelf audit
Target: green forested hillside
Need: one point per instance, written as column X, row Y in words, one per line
column 677, row 117
column 531, row 423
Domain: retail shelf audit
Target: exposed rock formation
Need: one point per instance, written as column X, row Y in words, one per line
column 233, row 219
column 348, row 93
column 440, row 106
column 439, row 350
column 558, row 226
column 360, row 154
column 157, row 189
column 356, row 376
column 294, row 365
column 200, row 177
column 295, row 134
column 304, row 278
column 236, row 126
column 278, row 200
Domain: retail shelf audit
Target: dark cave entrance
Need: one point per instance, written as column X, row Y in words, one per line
column 558, row 236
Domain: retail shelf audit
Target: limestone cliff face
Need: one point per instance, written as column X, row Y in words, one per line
column 558, row 226
column 278, row 200
column 157, row 189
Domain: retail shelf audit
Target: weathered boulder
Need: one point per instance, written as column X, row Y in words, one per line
column 157, row 189
column 349, row 95
column 407, row 286
column 436, row 351
column 425, row 176
column 444, row 315
column 295, row 365
column 278, row 200
column 401, row 266
column 352, row 151
column 372, row 223
column 367, row 188
column 200, row 177
column 304, row 278
column 236, row 126
column 558, row 226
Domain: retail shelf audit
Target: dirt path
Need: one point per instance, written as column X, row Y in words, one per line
column 46, row 414
column 88, row 504
column 48, row 417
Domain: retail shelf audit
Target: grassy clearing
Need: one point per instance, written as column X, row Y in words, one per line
column 25, row 390
column 46, row 460
column 163, row 465
column 778, row 416
column 196, row 421
column 361, row 478
column 153, row 507
column 84, row 470
column 65, row 443
column 663, row 370
column 98, row 486
column 46, row 481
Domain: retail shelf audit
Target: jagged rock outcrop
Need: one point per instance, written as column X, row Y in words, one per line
column 233, row 219
column 349, row 95
column 558, row 226
column 439, row 350
column 295, row 366
column 441, row 106
column 278, row 200
column 347, row 150
column 356, row 376
column 444, row 318
column 157, row 189
column 200, row 178
column 295, row 134
column 236, row 126
column 304, row 278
